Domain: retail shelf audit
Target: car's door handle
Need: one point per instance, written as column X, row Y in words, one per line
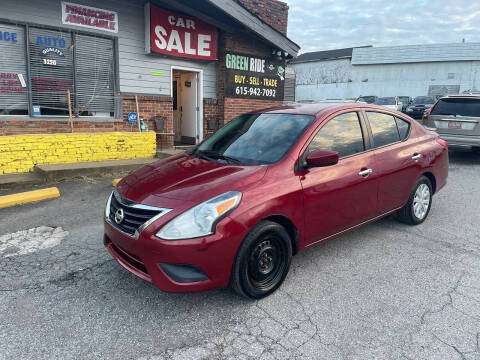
column 365, row 172
column 416, row 156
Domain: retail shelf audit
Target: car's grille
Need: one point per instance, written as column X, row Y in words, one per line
column 134, row 215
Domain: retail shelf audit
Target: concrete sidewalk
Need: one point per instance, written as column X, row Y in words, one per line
column 44, row 174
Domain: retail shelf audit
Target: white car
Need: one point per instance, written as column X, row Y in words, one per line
column 391, row 102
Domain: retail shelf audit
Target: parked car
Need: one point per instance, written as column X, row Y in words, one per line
column 405, row 100
column 419, row 105
column 457, row 119
column 266, row 186
column 391, row 102
column 369, row 99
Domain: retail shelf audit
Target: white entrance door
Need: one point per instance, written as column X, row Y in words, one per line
column 189, row 103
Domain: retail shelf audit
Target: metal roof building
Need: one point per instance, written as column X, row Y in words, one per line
column 413, row 70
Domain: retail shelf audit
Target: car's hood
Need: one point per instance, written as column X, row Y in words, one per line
column 184, row 177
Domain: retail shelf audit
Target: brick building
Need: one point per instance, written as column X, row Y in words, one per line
column 188, row 66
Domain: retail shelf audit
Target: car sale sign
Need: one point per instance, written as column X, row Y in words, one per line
column 180, row 35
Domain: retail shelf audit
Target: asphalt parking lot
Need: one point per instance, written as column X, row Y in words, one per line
column 384, row 291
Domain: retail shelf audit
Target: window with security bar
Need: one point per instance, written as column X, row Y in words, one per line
column 13, row 71
column 63, row 63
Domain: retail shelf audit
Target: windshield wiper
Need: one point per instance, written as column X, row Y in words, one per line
column 211, row 155
column 202, row 155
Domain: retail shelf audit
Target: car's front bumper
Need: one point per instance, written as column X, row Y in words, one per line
column 180, row 265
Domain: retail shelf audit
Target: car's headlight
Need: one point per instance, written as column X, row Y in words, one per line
column 107, row 205
column 201, row 219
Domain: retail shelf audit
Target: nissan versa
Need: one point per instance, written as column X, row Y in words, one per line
column 266, row 186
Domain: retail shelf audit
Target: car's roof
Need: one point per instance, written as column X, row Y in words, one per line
column 317, row 108
column 475, row 96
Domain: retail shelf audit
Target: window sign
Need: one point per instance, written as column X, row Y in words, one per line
column 36, row 110
column 51, row 73
column 253, row 77
column 13, row 71
column 89, row 17
column 8, row 36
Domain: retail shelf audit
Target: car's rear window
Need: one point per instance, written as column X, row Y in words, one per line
column 385, row 101
column 424, row 100
column 457, row 106
column 367, row 99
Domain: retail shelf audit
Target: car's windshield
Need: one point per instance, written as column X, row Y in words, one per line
column 423, row 100
column 457, row 106
column 253, row 139
column 404, row 99
column 385, row 101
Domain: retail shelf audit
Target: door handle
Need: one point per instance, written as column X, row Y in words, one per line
column 416, row 156
column 365, row 172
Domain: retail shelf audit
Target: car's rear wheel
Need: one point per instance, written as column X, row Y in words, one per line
column 263, row 261
column 419, row 203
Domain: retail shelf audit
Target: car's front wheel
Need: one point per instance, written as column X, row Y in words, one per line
column 263, row 261
column 419, row 203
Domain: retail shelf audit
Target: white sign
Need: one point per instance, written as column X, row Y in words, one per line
column 22, row 80
column 89, row 17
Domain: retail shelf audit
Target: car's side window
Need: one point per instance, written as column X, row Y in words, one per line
column 384, row 128
column 403, row 128
column 343, row 134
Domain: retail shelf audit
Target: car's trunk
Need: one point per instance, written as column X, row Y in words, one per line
column 457, row 125
column 456, row 116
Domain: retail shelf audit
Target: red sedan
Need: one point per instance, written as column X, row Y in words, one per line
column 266, row 186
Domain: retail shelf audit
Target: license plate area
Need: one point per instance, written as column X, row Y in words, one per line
column 454, row 125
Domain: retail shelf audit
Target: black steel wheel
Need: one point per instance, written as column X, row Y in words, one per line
column 262, row 261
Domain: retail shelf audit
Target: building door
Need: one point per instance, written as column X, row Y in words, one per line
column 187, row 124
column 177, row 113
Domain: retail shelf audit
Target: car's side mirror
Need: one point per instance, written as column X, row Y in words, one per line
column 321, row 157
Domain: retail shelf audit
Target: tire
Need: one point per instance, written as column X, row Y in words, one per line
column 262, row 261
column 417, row 209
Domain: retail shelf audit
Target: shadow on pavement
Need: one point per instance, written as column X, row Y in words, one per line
column 463, row 156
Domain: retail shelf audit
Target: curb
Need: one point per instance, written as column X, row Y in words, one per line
column 28, row 197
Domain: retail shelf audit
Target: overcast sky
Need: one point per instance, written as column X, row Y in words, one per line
column 334, row 24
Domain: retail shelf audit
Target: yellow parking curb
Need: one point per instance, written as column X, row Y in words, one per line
column 115, row 182
column 28, row 197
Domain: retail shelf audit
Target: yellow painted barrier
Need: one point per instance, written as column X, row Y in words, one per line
column 28, row 197
column 20, row 153
column 115, row 182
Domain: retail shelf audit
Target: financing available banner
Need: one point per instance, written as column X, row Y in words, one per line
column 89, row 17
